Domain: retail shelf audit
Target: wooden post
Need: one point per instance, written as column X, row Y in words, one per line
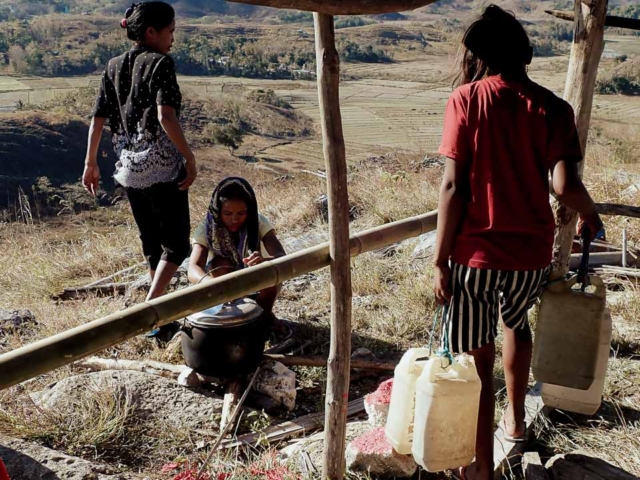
column 338, row 366
column 588, row 44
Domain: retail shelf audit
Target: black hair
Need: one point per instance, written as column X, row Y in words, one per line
column 233, row 191
column 140, row 16
column 236, row 188
column 496, row 43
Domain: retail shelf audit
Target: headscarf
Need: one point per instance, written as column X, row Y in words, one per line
column 219, row 239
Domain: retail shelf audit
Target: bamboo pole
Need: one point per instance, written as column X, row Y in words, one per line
column 587, row 48
column 609, row 21
column 67, row 347
column 337, row 396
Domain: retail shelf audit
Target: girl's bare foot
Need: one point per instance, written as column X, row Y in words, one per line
column 472, row 472
column 512, row 428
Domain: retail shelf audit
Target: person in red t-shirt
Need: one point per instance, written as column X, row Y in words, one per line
column 503, row 136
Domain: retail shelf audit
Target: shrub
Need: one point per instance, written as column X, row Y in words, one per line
column 618, row 85
column 269, row 97
column 295, row 17
column 347, row 22
column 352, row 52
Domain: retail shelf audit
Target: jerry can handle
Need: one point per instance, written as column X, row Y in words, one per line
column 583, row 277
column 413, row 354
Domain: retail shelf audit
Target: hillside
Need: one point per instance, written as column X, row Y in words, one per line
column 204, row 8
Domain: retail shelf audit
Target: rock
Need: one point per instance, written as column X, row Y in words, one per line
column 366, row 301
column 314, row 445
column 29, row 461
column 583, row 466
column 371, row 453
column 630, row 192
column 158, row 400
column 363, row 353
column 377, row 404
column 189, row 378
column 429, row 162
column 311, row 239
column 322, row 206
column 278, row 382
column 17, row 321
column 425, row 246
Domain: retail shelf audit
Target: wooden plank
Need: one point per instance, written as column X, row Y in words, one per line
column 597, row 259
column 307, row 423
column 586, row 50
column 532, row 467
column 72, row 345
column 109, row 289
column 328, row 64
column 231, row 399
column 114, row 275
column 609, row 21
column 506, row 455
column 319, row 361
column 342, row 7
column 169, row 370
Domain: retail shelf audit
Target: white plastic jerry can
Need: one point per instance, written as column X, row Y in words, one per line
column 399, row 428
column 568, row 334
column 446, row 415
column 586, row 402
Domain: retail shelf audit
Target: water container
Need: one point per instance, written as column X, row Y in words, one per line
column 399, row 428
column 446, row 415
column 568, row 334
column 580, row 401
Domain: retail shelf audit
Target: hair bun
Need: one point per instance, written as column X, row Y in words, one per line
column 123, row 23
column 495, row 13
column 130, row 10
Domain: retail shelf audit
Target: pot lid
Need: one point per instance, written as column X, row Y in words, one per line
column 235, row 313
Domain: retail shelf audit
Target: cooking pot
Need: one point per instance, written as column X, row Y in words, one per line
column 226, row 340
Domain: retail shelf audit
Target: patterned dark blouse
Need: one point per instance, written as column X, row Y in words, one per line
column 133, row 85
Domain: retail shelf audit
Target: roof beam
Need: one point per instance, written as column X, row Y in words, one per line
column 342, row 7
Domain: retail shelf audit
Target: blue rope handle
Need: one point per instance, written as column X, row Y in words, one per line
column 443, row 351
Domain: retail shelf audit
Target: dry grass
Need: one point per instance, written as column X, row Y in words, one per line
column 392, row 310
column 101, row 423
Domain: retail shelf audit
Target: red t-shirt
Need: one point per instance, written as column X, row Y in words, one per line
column 510, row 134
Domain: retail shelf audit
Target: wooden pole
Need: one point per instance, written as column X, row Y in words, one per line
column 588, row 44
column 609, row 21
column 617, row 209
column 67, row 347
column 337, row 395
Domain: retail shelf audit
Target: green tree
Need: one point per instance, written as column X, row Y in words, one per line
column 227, row 135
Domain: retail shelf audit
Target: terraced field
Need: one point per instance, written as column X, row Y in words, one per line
column 396, row 106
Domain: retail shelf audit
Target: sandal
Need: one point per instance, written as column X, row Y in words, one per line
column 164, row 333
column 460, row 474
column 519, row 439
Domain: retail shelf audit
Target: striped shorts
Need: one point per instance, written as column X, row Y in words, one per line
column 481, row 297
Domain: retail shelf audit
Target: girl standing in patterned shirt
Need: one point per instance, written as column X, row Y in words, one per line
column 140, row 98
